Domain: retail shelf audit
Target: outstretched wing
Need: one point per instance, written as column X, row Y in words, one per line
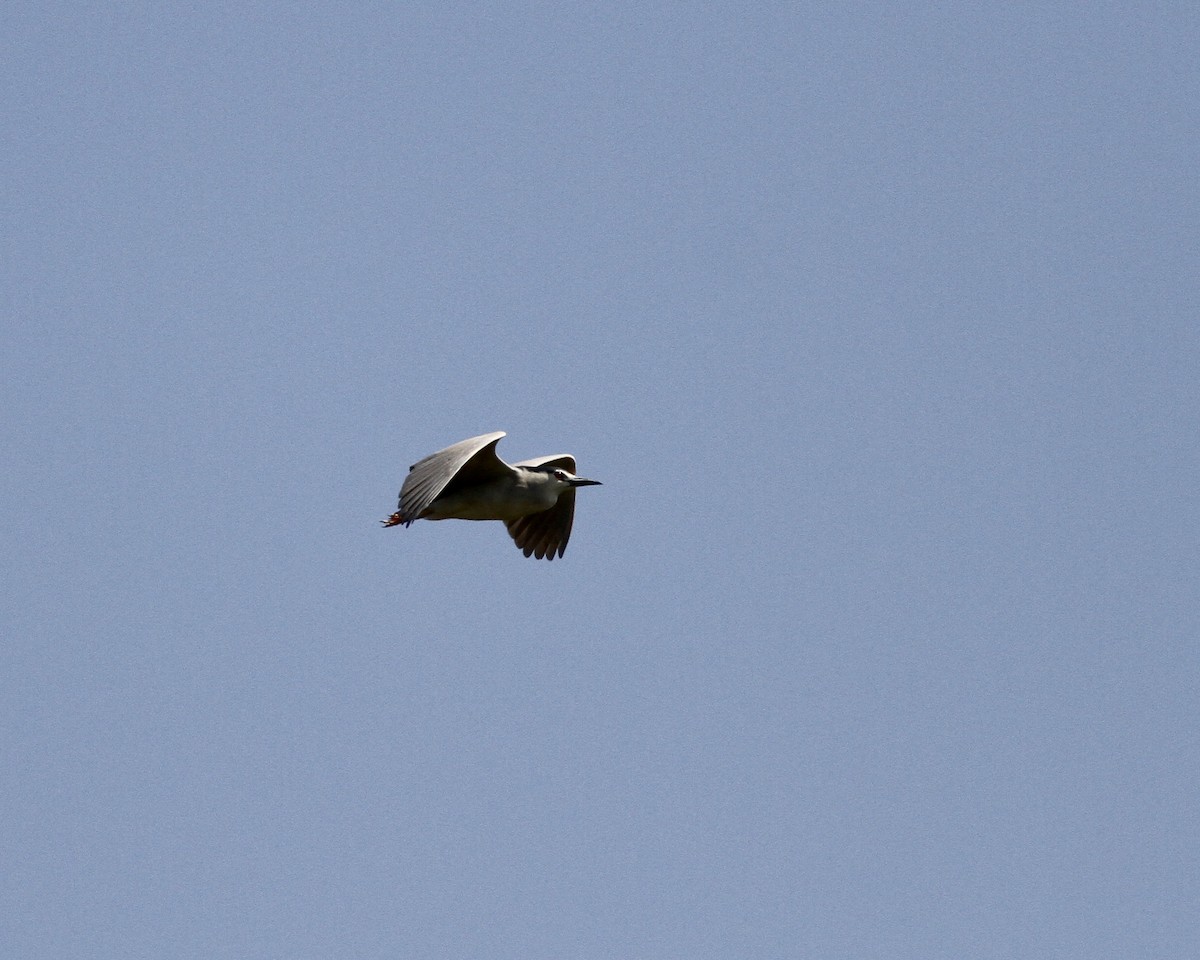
column 466, row 462
column 545, row 534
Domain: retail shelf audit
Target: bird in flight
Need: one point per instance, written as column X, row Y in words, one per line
column 468, row 481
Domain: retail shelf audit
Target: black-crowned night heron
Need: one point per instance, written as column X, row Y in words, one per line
column 535, row 498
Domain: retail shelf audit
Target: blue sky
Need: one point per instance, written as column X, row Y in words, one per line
column 879, row 324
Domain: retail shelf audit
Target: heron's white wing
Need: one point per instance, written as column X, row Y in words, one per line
column 545, row 534
column 556, row 461
column 468, row 461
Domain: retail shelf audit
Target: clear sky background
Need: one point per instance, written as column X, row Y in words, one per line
column 879, row 323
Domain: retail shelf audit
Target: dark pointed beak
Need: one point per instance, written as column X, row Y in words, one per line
column 580, row 482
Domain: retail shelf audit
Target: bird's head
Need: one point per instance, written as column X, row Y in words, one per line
column 568, row 479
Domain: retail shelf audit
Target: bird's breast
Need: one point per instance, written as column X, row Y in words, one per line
column 499, row 501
